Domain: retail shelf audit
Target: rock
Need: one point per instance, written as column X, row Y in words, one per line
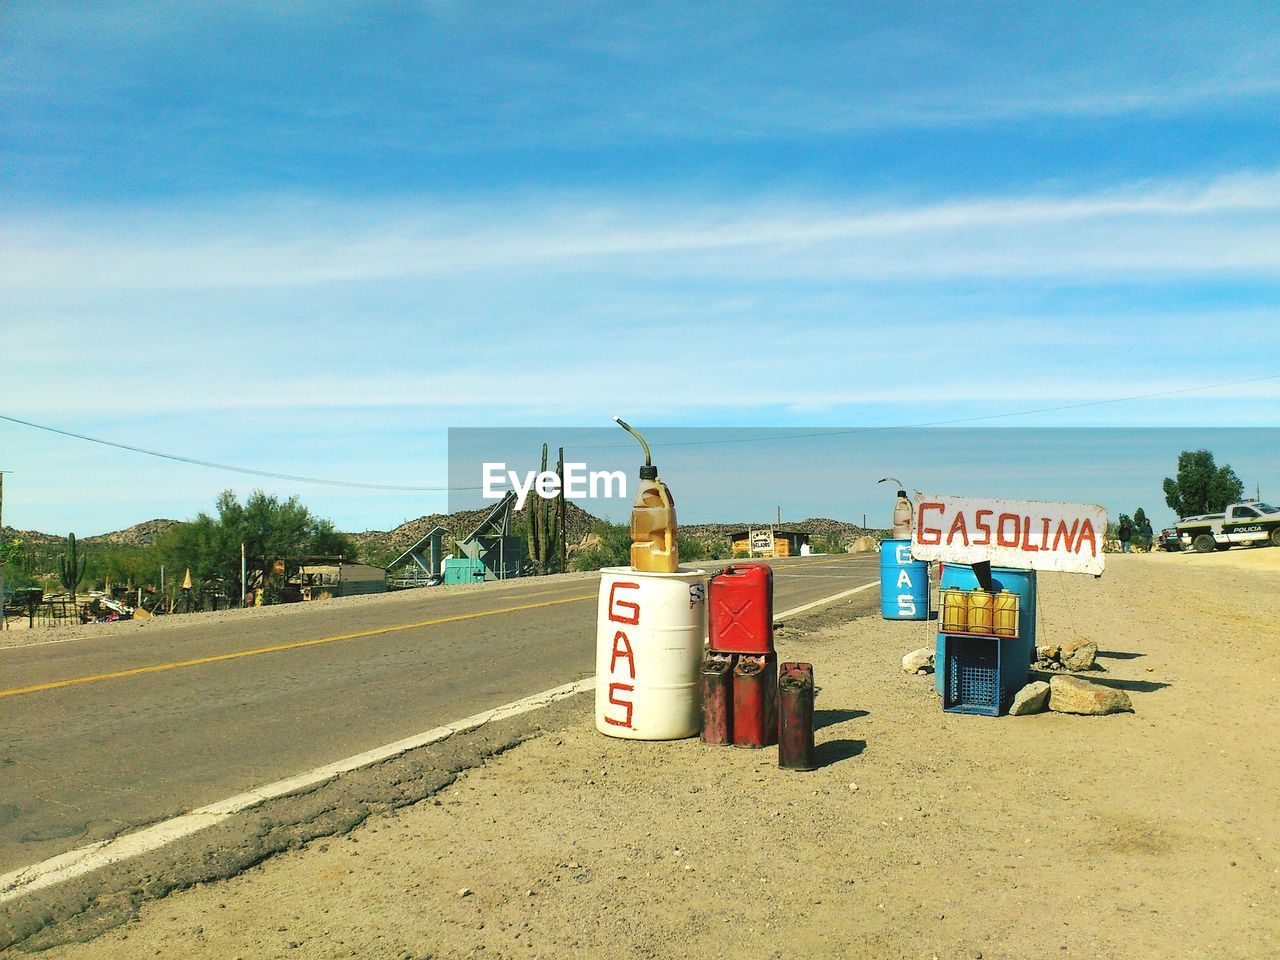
column 1033, row 698
column 1047, row 652
column 1079, row 654
column 918, row 661
column 1073, row 695
column 464, row 892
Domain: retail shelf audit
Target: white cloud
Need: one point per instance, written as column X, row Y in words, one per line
column 1221, row 226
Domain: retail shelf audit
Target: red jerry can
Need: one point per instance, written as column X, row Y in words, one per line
column 755, row 700
column 795, row 717
column 740, row 609
column 717, row 698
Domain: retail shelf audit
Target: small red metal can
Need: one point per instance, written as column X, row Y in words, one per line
column 740, row 609
column 755, row 700
column 795, row 717
column 717, row 698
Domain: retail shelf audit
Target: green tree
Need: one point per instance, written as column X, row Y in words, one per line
column 19, row 562
column 11, row 551
column 124, row 565
column 830, row 543
column 266, row 525
column 690, row 548
column 610, row 548
column 1201, row 485
column 719, row 548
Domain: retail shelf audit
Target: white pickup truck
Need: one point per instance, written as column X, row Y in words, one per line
column 1251, row 521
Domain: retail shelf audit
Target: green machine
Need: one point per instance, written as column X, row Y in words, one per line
column 463, row 570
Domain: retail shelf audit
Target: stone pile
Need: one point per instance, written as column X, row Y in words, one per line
column 1062, row 693
column 1072, row 656
column 1066, row 694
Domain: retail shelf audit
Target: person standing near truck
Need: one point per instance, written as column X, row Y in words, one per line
column 1125, row 533
column 1147, row 534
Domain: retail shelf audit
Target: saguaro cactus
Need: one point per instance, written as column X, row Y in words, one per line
column 71, row 567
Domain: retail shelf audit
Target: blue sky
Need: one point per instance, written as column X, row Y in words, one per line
column 310, row 237
column 723, row 475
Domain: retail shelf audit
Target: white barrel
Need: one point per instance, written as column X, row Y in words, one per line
column 649, row 635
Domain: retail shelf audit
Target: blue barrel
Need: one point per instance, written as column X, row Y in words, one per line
column 904, row 582
column 1021, row 582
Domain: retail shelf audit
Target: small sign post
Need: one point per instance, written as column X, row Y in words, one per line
column 762, row 542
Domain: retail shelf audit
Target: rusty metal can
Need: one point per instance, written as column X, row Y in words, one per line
column 755, row 700
column 795, row 717
column 717, row 698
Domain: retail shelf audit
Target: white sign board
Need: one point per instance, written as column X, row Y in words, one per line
column 762, row 541
column 1023, row 534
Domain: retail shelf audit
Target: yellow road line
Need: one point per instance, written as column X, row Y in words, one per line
column 277, row 648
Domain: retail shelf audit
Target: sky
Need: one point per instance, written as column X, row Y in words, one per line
column 725, row 475
column 310, row 238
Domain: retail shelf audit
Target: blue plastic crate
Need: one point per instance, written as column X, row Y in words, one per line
column 981, row 674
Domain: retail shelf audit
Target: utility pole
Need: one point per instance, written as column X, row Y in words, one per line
column 4, row 623
column 779, row 514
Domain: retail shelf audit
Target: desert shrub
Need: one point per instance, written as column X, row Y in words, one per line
column 830, row 544
column 611, row 548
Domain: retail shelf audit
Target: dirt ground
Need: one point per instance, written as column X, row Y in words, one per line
column 924, row 834
column 1245, row 558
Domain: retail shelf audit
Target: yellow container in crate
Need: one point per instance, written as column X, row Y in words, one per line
column 955, row 611
column 980, row 611
column 1005, row 617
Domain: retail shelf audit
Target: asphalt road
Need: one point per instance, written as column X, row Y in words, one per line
column 104, row 734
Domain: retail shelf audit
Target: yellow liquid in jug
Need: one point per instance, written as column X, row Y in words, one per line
column 653, row 529
column 979, row 611
column 955, row 611
column 1006, row 614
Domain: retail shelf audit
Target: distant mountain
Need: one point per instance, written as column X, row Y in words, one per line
column 33, row 538
column 816, row 527
column 382, row 546
column 139, row 535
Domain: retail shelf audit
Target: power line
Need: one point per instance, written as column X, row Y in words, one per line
column 406, row 488
column 234, row 469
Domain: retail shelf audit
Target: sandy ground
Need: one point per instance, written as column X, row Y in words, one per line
column 1151, row 834
column 1244, row 558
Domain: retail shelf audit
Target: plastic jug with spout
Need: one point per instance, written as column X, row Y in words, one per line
column 902, row 512
column 653, row 519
